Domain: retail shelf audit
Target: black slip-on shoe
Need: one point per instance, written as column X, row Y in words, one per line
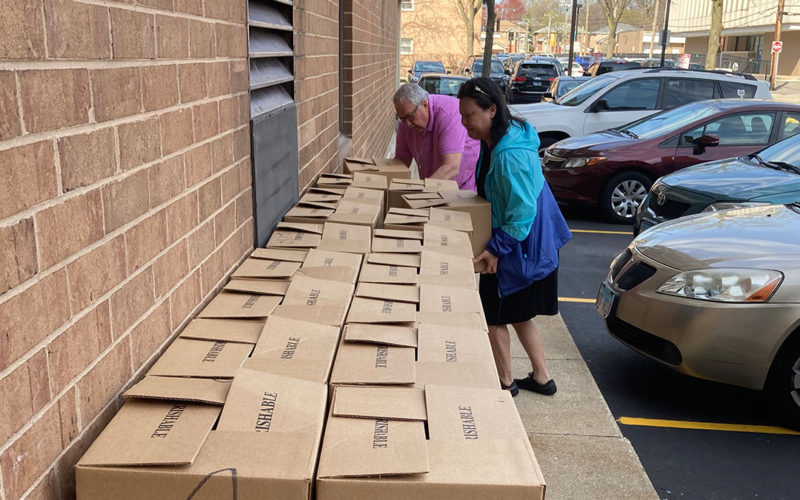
column 530, row 384
column 513, row 389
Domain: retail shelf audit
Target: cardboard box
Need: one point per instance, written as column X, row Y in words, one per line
column 394, row 259
column 287, row 254
column 376, row 273
column 370, row 181
column 320, row 200
column 348, row 238
column 449, row 299
column 359, row 363
column 480, row 212
column 394, row 335
column 458, row 221
column 473, row 320
column 383, row 291
column 257, row 287
column 201, row 358
column 392, row 241
column 266, row 269
column 450, row 344
column 364, row 310
column 316, row 300
column 438, row 268
column 240, row 305
column 295, row 235
column 195, row 390
column 390, row 168
column 346, row 266
column 310, row 215
column 294, row 348
column 363, row 195
column 445, row 240
column 225, row 330
column 353, row 212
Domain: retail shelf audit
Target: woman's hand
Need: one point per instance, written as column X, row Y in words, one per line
column 490, row 260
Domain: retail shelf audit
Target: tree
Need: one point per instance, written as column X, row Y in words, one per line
column 487, row 46
column 510, row 10
column 714, row 33
column 613, row 10
column 468, row 9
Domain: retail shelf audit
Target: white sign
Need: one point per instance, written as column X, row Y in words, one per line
column 777, row 46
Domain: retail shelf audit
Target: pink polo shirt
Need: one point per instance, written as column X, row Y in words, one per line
column 443, row 135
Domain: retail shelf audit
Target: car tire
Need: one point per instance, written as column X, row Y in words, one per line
column 546, row 142
column 783, row 383
column 622, row 195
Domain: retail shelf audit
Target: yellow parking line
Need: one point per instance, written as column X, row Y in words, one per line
column 706, row 426
column 575, row 299
column 597, row 231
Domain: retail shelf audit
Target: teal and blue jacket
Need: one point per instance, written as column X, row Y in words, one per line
column 527, row 226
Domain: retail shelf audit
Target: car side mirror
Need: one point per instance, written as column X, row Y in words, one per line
column 704, row 141
column 507, row 71
column 448, row 72
column 599, row 105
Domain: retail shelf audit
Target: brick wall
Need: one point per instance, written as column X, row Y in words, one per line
column 125, row 200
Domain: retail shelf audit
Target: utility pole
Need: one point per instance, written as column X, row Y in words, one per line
column 777, row 38
column 664, row 34
column 586, row 31
column 573, row 22
column 549, row 45
column 653, row 34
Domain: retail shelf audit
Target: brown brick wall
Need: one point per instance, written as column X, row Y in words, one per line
column 125, row 200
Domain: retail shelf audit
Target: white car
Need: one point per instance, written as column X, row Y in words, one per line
column 621, row 97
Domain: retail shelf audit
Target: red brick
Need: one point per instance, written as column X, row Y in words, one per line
column 87, row 158
column 68, row 414
column 150, row 334
column 192, row 78
column 211, row 272
column 241, row 143
column 97, row 272
column 199, row 164
column 22, row 27
column 139, row 143
column 125, row 200
column 231, row 251
column 55, row 98
column 77, row 30
column 200, row 244
column 245, row 174
column 166, row 180
column 170, row 268
column 30, row 456
column 146, row 239
column 201, row 40
column 222, row 150
column 133, row 34
column 159, row 86
column 25, row 391
column 31, row 315
column 210, row 197
column 205, row 121
column 117, row 93
column 244, row 207
column 181, row 216
column 218, row 79
column 176, row 130
column 228, row 114
column 244, row 109
column 172, row 34
column 225, row 222
column 82, row 214
column 78, row 346
column 231, row 40
column 239, row 76
column 231, row 11
column 184, row 299
column 102, row 383
column 17, row 254
column 131, row 301
column 47, row 489
column 189, row 6
column 10, row 124
column 230, row 185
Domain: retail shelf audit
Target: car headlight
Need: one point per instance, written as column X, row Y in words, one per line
column 583, row 162
column 724, row 285
column 725, row 205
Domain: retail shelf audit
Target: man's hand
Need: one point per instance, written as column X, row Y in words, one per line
column 490, row 260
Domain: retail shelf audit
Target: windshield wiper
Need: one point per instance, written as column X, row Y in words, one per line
column 777, row 165
column 629, row 133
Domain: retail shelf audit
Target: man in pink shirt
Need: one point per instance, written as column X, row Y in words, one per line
column 431, row 133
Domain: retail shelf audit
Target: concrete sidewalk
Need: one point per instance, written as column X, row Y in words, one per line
column 579, row 446
column 787, row 91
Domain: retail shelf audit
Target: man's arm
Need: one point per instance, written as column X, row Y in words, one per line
column 449, row 167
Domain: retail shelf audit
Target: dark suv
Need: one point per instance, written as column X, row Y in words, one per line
column 531, row 79
column 602, row 67
column 498, row 75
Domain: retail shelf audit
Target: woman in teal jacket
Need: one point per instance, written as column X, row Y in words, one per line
column 521, row 259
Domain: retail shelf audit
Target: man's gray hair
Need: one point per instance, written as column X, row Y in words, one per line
column 412, row 93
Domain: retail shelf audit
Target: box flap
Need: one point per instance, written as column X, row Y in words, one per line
column 313, row 204
column 394, row 259
column 316, row 300
column 448, row 299
column 451, row 219
column 409, row 182
column 321, row 198
column 257, row 287
column 459, row 413
column 441, row 185
column 293, row 239
column 326, row 190
column 332, row 273
column 334, row 180
column 397, row 233
column 265, row 402
column 383, row 291
column 370, row 181
column 349, row 238
column 424, row 203
column 447, row 240
column 307, row 213
column 396, row 245
column 201, row 358
column 195, row 390
column 358, row 363
column 328, row 258
column 395, row 335
column 360, row 159
column 305, row 227
column 240, row 305
column 466, row 374
column 411, row 221
column 353, row 212
column 265, row 268
column 279, row 254
column 390, row 163
column 411, row 212
column 152, row 433
column 357, row 447
column 446, row 269
column 226, row 330
column 451, row 344
column 364, row 195
column 363, row 310
column 473, row 320
column 377, row 273
column 393, row 403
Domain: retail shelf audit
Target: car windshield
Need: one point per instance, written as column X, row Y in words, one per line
column 667, row 121
column 786, row 151
column 477, row 66
column 567, row 85
column 583, row 92
column 441, row 85
column 429, row 67
column 534, row 70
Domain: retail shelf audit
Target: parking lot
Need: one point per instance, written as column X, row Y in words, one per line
column 695, row 439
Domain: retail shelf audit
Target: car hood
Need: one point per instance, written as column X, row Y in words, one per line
column 734, row 179
column 605, row 141
column 538, row 111
column 759, row 237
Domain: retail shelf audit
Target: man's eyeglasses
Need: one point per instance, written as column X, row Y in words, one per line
column 409, row 116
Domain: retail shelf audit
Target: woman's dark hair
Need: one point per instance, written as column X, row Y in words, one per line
column 486, row 92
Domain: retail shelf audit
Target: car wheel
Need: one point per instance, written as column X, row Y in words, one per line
column 622, row 196
column 544, row 143
column 783, row 384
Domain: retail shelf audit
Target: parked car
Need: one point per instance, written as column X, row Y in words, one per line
column 532, row 78
column 441, row 83
column 608, row 66
column 496, row 73
column 615, row 99
column 715, row 296
column 511, row 60
column 577, row 69
column 771, row 175
column 614, row 169
column 561, row 86
column 421, row 67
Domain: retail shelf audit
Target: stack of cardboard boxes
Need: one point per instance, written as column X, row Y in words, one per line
column 342, row 361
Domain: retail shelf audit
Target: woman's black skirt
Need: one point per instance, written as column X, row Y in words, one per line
column 539, row 298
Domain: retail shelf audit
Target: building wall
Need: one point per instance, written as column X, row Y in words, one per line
column 629, row 42
column 736, row 14
column 788, row 62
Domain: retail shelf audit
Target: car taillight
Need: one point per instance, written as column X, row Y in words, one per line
column 552, row 78
column 519, row 79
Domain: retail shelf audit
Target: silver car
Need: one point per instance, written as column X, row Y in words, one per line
column 717, row 297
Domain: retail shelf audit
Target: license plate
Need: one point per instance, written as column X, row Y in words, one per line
column 606, row 298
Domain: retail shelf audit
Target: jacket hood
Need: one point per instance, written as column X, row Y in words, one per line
column 519, row 136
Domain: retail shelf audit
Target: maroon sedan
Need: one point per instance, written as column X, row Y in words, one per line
column 614, row 169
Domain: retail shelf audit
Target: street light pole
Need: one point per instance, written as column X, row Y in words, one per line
column 576, row 5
